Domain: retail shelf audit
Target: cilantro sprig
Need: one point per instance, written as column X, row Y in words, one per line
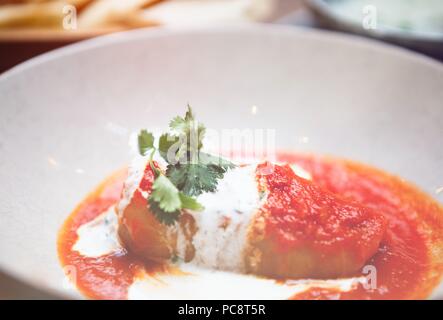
column 189, row 173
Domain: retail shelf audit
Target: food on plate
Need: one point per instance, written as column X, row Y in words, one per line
column 303, row 227
column 257, row 223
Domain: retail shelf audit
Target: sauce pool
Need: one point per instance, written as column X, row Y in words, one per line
column 409, row 261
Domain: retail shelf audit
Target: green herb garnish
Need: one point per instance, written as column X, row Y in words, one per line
column 189, row 172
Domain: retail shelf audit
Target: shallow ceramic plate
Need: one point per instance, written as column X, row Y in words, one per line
column 65, row 117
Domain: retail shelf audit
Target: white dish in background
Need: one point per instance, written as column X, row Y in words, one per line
column 65, row 117
column 406, row 25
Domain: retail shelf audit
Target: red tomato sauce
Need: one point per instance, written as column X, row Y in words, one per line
column 108, row 276
column 407, row 267
column 301, row 214
column 409, row 261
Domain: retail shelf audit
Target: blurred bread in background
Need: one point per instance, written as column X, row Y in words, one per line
column 127, row 14
column 31, row 27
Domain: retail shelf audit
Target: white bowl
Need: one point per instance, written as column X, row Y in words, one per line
column 65, row 116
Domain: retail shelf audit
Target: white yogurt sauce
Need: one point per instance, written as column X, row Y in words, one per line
column 136, row 171
column 222, row 226
column 99, row 236
column 299, row 171
column 209, row 284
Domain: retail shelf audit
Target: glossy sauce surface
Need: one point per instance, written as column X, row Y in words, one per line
column 300, row 214
column 409, row 261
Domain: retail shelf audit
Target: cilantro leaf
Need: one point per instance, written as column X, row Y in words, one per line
column 178, row 124
column 165, row 194
column 167, row 218
column 194, row 179
column 190, row 128
column 168, row 145
column 145, row 142
column 207, row 159
column 190, row 203
column 165, row 201
column 189, row 173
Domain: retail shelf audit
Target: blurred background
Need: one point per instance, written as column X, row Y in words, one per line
column 31, row 27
